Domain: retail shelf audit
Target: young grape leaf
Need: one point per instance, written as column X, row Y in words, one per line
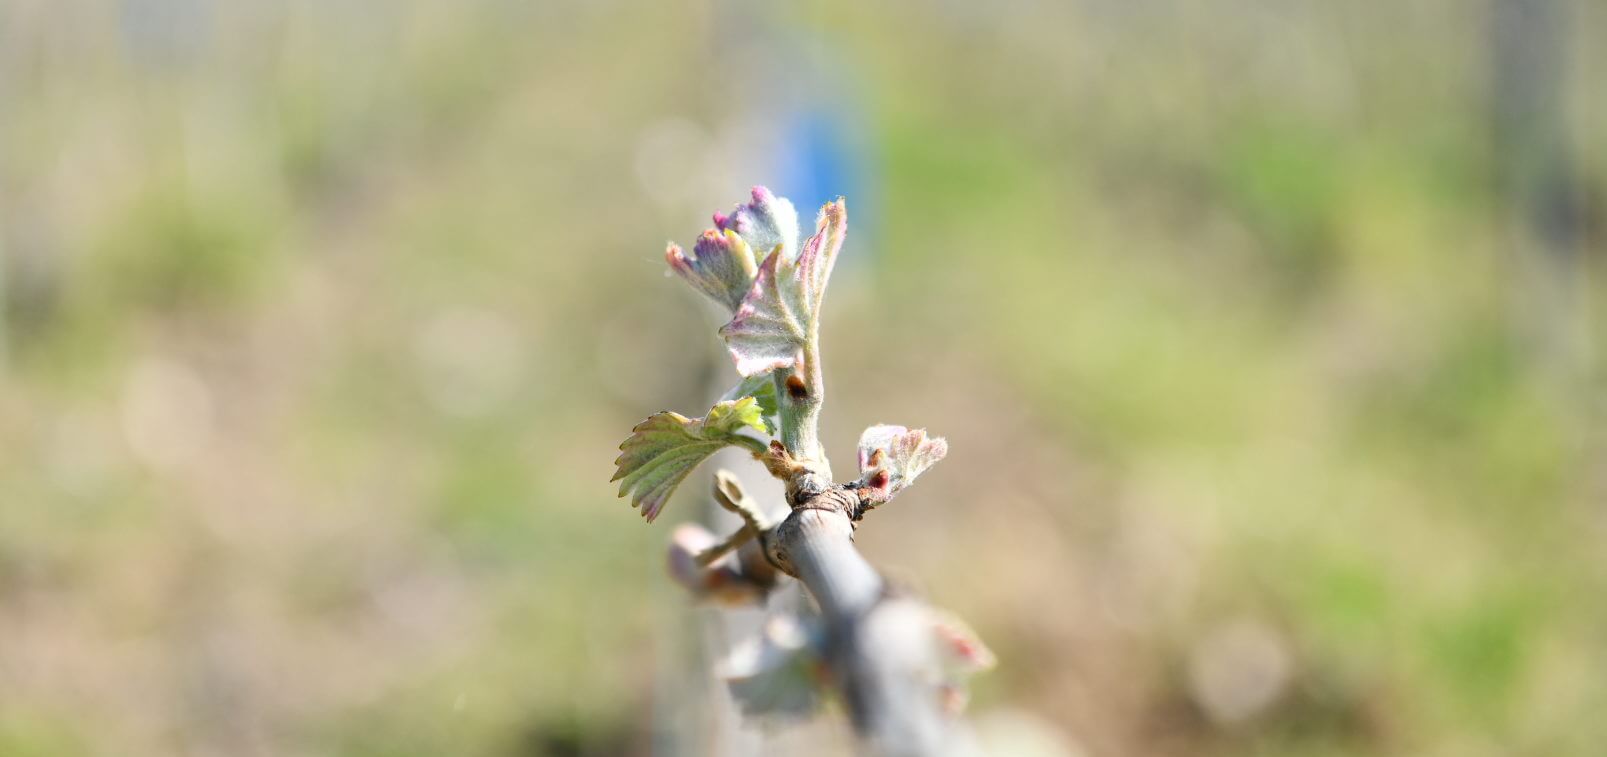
column 663, row 449
column 766, row 223
column 721, row 266
column 780, row 314
column 762, row 388
column 891, row 457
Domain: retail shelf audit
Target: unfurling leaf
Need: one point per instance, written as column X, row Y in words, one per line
column 663, row 449
column 780, row 673
column 766, row 223
column 763, row 390
column 724, row 261
column 891, row 457
column 721, row 266
column 780, row 314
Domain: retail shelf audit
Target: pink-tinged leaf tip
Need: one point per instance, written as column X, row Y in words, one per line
column 765, row 223
column 676, row 258
column 721, row 266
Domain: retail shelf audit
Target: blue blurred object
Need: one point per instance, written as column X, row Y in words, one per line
column 821, row 162
column 822, row 134
column 825, row 157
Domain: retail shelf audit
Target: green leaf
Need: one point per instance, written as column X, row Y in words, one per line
column 762, row 388
column 663, row 449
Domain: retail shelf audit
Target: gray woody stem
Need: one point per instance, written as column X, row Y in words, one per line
column 879, row 648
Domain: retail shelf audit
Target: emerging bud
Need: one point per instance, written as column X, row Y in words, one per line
column 961, row 654
column 891, row 457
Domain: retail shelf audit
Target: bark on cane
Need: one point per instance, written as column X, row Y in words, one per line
column 880, row 650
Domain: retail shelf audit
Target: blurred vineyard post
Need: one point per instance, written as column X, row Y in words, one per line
column 1537, row 176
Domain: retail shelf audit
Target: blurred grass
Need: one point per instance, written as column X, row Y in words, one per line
column 323, row 323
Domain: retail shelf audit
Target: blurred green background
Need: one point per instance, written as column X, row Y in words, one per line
column 1266, row 337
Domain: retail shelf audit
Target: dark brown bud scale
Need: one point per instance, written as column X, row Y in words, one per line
column 796, row 388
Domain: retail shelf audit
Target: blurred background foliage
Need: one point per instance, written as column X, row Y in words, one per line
column 1267, row 339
